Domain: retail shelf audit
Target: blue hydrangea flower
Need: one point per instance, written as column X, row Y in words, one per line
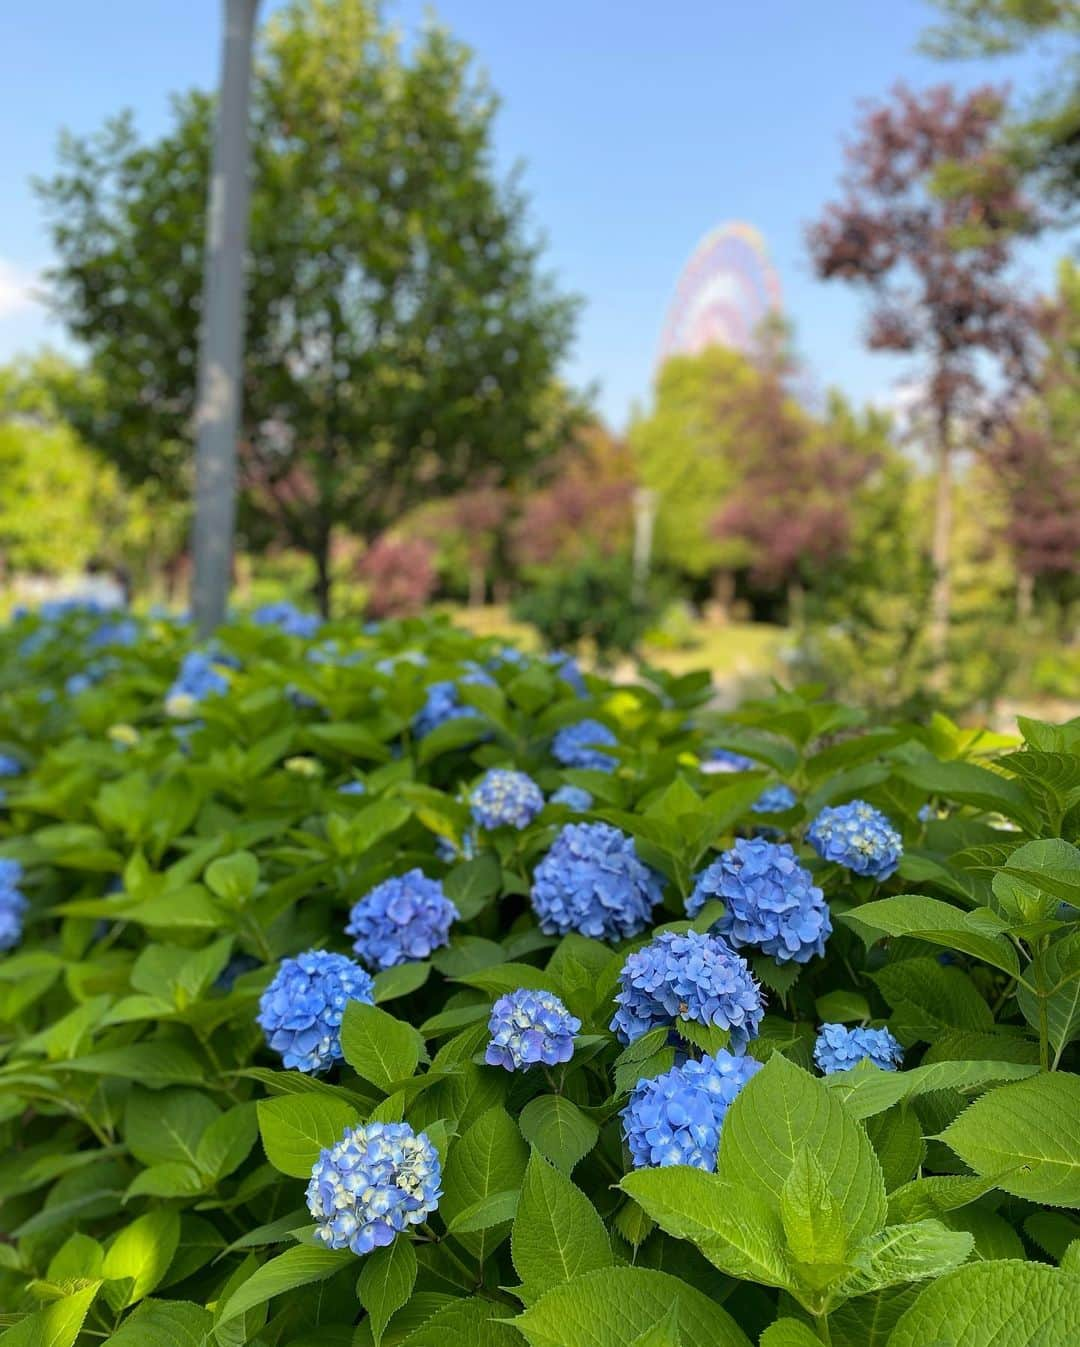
column 574, row 798
column 13, row 904
column 401, row 920
column 300, row 1012
column 10, row 766
column 675, row 1119
column 200, row 677
column 444, row 702
column 576, row 746
column 774, row 800
column 352, row 788
column 688, row 977
column 529, row 1027
column 506, row 799
column 288, row 618
column 725, row 760
column 447, row 851
column 593, row 881
column 839, row 1049
column 125, row 632
column 770, row 901
column 379, row 1179
column 859, row 837
column 567, row 668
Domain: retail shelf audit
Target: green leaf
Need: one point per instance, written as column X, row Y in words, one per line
column 167, row 1126
column 355, row 741
column 928, row 998
column 378, row 1047
column 490, row 1158
column 906, row 1253
column 461, row 732
column 486, row 1212
column 995, row 1304
column 57, row 1325
column 812, row 1219
column 225, row 1144
column 295, row 1267
column 386, row 1282
column 465, row 1323
column 977, row 933
column 779, row 1111
column 664, row 1333
column 234, row 877
column 615, row 1305
column 473, row 884
column 557, row 1232
column 164, row 1323
column 1055, row 971
column 558, row 1129
column 937, row 1194
column 296, row 1127
column 789, row 1333
column 142, row 1252
column 401, row 980
column 153, row 1064
column 842, row 1007
column 507, row 977
column 867, row 1089
column 1029, row 1133
column 967, row 783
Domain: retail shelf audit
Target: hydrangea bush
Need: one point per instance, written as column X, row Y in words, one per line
column 319, row 1026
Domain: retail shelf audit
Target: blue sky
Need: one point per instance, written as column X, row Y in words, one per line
column 640, row 126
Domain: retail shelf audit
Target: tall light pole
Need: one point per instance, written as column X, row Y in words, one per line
column 221, row 342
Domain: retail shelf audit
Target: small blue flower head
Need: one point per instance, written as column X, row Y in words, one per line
column 124, row 632
column 200, row 677
column 774, row 800
column 12, row 904
column 79, row 683
column 401, row 920
column 379, row 1179
column 593, row 881
column 839, row 1048
column 576, row 746
column 574, row 798
column 688, row 977
column 859, row 837
column 10, row 766
column 675, row 1119
column 529, row 1027
column 723, row 760
column 288, row 618
column 300, row 1012
column 450, row 852
column 444, row 702
column 567, row 668
column 770, row 901
column 352, row 788
column 506, row 799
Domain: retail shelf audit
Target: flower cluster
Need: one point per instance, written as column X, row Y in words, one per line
column 379, row 1179
column 506, row 799
column 576, row 746
column 687, row 977
column 675, row 1119
column 401, row 920
column 593, row 881
column 567, row 668
column 123, row 633
column 9, row 767
column 300, row 1012
column 288, row 618
column 200, row 677
column 859, row 837
column 451, row 852
column 770, row 901
column 839, row 1049
column 12, row 904
column 722, row 760
column 774, row 800
column 574, row 798
column 529, row 1027
column 444, row 702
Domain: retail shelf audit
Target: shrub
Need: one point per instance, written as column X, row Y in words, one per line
column 573, row 1099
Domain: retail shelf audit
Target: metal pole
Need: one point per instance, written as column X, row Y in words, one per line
column 644, row 520
column 217, row 411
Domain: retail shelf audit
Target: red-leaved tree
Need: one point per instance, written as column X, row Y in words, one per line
column 401, row 573
column 932, row 209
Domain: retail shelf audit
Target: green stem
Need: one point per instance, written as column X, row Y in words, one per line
column 1040, row 992
column 822, row 1325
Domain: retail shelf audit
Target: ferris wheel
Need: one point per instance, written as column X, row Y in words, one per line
column 725, row 291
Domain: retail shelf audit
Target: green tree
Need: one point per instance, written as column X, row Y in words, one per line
column 401, row 337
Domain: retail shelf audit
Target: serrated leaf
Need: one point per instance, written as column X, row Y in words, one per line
column 57, row 1325
column 142, row 1252
column 164, row 1323
column 296, row 1127
column 664, row 1333
column 978, row 933
column 489, row 1158
column 386, row 1281
column 558, row 1129
column 1055, row 972
column 997, row 1304
column 557, row 1234
column 295, row 1267
column 378, row 1047
column 812, row 1219
column 789, row 1333
column 866, row 1089
column 905, row 1253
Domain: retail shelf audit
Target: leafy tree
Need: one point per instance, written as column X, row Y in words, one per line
column 401, row 339
column 931, row 210
column 401, row 576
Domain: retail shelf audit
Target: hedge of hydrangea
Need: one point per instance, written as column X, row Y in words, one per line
column 388, row 985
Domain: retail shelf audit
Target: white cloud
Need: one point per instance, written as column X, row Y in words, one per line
column 16, row 290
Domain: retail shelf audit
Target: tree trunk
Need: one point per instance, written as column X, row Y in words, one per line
column 941, row 547
column 323, row 583
column 1025, row 596
column 217, row 410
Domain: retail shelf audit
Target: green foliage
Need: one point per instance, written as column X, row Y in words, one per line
column 591, row 601
column 155, row 1151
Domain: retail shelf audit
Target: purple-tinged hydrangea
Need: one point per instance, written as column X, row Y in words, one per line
column 858, row 837
column 10, row 766
column 592, row 881
column 574, row 798
column 688, row 977
column 401, row 920
column 352, row 788
column 770, row 901
column 529, row 1027
column 301, row 1011
column 506, row 799
column 675, row 1119
column 287, row 618
column 567, row 668
column 723, row 760
column 839, row 1048
column 444, row 702
column 775, row 800
column 577, row 746
column 200, row 677
column 378, row 1180
column 12, row 904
